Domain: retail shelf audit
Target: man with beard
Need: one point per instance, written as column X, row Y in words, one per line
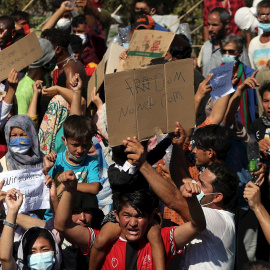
column 218, row 26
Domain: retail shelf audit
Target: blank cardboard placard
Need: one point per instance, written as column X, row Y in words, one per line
column 144, row 46
column 140, row 102
column 110, row 62
column 19, row 55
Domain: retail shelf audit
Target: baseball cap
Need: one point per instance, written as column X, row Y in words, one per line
column 144, row 21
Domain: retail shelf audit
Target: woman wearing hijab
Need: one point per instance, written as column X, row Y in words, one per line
column 23, row 145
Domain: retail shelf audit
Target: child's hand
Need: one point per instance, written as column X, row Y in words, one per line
column 50, row 92
column 96, row 99
column 76, row 83
column 37, row 87
column 123, row 55
column 49, row 160
column 13, row 78
column 190, row 190
column 68, row 179
column 51, row 184
column 14, row 203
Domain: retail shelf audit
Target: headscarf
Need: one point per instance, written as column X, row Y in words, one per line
column 16, row 161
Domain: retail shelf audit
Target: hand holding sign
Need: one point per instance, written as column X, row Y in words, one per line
column 204, row 87
column 2, row 195
column 13, row 78
column 178, row 136
column 249, row 82
column 14, row 200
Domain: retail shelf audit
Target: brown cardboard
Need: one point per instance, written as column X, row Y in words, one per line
column 144, row 46
column 19, row 55
column 142, row 101
column 110, row 62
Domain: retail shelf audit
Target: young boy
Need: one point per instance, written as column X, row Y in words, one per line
column 78, row 133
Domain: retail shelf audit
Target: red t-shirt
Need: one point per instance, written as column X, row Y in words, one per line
column 118, row 254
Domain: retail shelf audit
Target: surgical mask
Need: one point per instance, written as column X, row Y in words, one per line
column 83, row 37
column 63, row 24
column 201, row 195
column 20, row 145
column 264, row 26
column 72, row 157
column 41, row 261
column 226, row 58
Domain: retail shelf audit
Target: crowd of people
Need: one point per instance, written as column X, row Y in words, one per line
column 121, row 207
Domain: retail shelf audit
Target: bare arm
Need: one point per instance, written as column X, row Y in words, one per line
column 7, row 237
column 75, row 233
column 253, row 197
column 27, row 222
column 56, row 16
column 13, row 83
column 185, row 233
column 234, row 102
column 166, row 191
column 76, row 84
column 32, row 109
column 92, row 188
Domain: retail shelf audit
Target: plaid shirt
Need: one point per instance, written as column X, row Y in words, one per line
column 231, row 5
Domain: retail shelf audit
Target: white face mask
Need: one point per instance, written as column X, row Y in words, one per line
column 72, row 157
column 63, row 24
column 84, row 38
column 21, row 150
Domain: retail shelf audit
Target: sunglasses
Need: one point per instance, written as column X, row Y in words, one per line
column 231, row 52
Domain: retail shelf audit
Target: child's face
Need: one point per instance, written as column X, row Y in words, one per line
column 78, row 148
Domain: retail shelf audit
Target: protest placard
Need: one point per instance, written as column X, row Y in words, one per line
column 221, row 82
column 147, row 101
column 30, row 182
column 108, row 64
column 144, row 46
column 19, row 55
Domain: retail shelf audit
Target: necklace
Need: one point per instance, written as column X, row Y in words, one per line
column 71, row 57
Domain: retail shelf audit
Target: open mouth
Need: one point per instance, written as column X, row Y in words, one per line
column 133, row 232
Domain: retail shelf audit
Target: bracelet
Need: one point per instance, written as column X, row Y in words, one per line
column 11, row 225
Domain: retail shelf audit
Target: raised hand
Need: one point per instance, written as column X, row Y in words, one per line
column 178, row 136
column 250, row 82
column 76, row 83
column 13, row 78
column 37, row 86
column 190, row 190
column 14, row 199
column 204, row 87
column 96, row 99
column 49, row 160
column 68, row 179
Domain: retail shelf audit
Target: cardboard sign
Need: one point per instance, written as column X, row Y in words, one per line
column 148, row 101
column 221, row 81
column 109, row 64
column 144, row 46
column 30, row 182
column 19, row 55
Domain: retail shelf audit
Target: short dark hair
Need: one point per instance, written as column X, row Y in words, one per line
column 76, row 42
column 80, row 19
column 31, row 236
column 141, row 200
column 180, row 47
column 236, row 39
column 10, row 21
column 150, row 3
column 19, row 15
column 265, row 87
column 226, row 182
column 59, row 37
column 263, row 4
column 215, row 137
column 223, row 14
column 79, row 127
column 257, row 265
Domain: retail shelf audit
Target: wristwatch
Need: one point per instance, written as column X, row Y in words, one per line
column 11, row 225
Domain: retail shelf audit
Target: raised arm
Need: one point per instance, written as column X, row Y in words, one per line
column 252, row 195
column 166, row 191
column 73, row 232
column 234, row 101
column 14, row 200
column 185, row 233
column 32, row 109
column 76, row 85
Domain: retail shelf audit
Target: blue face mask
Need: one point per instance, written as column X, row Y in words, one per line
column 264, row 26
column 201, row 195
column 41, row 261
column 20, row 145
column 226, row 58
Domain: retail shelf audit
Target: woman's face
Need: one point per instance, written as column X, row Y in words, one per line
column 17, row 132
column 41, row 245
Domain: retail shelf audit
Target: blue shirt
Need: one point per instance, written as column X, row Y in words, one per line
column 86, row 172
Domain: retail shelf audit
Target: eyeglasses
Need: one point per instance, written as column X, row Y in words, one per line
column 231, row 52
column 263, row 16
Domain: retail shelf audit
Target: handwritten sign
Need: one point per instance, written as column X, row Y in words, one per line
column 221, row 81
column 148, row 101
column 30, row 182
column 144, row 46
column 19, row 55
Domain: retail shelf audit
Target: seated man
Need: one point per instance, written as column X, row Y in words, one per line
column 134, row 212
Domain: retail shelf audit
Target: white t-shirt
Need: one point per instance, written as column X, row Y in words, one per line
column 214, row 248
column 259, row 53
